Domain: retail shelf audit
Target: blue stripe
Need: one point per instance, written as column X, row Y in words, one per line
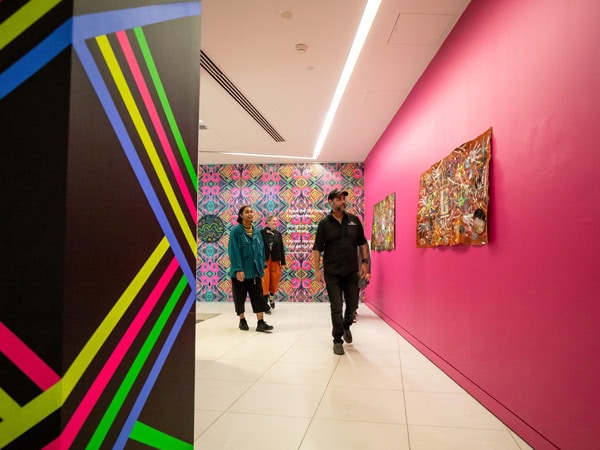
column 80, row 28
column 93, row 73
column 153, row 375
column 92, row 25
column 35, row 59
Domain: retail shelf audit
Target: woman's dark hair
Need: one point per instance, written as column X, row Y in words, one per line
column 479, row 214
column 241, row 211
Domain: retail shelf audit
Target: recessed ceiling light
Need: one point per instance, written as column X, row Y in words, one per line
column 286, row 14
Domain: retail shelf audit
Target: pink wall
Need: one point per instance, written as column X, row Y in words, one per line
column 515, row 322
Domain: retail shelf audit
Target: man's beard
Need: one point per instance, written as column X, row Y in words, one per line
column 340, row 208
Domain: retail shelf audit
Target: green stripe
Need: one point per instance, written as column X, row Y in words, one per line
column 165, row 104
column 134, row 371
column 23, row 18
column 157, row 439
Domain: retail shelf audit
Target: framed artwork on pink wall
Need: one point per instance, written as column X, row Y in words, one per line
column 454, row 198
column 382, row 236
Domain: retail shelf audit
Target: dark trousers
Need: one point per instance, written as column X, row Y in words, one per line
column 241, row 289
column 342, row 288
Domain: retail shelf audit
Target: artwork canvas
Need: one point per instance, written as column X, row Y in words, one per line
column 453, row 197
column 383, row 224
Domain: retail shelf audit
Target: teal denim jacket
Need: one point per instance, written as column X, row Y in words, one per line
column 246, row 254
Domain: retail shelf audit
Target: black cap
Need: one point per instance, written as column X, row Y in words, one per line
column 336, row 193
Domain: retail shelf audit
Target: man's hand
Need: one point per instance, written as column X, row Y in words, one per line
column 316, row 263
column 318, row 276
column 364, row 269
column 239, row 276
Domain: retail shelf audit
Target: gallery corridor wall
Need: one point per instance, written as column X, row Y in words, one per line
column 515, row 321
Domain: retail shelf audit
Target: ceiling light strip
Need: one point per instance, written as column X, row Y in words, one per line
column 207, row 64
column 359, row 39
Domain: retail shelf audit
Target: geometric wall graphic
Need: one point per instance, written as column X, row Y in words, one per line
column 295, row 193
column 210, row 228
column 97, row 340
column 453, row 197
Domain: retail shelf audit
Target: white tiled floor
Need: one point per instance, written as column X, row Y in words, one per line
column 287, row 390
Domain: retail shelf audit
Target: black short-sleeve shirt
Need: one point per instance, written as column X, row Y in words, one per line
column 338, row 243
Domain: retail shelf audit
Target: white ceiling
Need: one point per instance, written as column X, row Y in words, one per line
column 254, row 47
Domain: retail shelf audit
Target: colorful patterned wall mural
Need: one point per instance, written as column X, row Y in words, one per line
column 296, row 193
column 99, row 170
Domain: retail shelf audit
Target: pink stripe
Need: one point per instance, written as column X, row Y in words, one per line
column 26, row 359
column 160, row 131
column 91, row 397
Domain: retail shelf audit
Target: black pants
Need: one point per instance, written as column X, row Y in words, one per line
column 241, row 289
column 338, row 285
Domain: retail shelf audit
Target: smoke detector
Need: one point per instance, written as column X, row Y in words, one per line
column 301, row 48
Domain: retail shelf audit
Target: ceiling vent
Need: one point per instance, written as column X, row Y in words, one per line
column 207, row 64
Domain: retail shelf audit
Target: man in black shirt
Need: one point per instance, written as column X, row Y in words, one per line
column 338, row 236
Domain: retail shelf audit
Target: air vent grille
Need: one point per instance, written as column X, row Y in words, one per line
column 207, row 64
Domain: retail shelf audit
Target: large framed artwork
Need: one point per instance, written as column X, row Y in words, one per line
column 454, row 198
column 382, row 237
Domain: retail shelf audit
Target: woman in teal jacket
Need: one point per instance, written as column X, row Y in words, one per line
column 247, row 259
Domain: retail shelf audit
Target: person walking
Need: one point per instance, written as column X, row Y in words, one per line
column 247, row 259
column 338, row 236
column 274, row 260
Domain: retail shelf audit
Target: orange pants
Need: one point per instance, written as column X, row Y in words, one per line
column 272, row 276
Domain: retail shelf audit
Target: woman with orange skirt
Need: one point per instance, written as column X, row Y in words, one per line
column 274, row 260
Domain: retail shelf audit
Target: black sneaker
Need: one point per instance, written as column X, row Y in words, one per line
column 347, row 336
column 338, row 348
column 272, row 305
column 244, row 325
column 263, row 327
column 268, row 311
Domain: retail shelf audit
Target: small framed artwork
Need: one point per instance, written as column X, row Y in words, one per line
column 384, row 214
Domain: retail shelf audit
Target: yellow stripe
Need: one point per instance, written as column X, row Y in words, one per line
column 23, row 18
column 29, row 415
column 51, row 400
column 93, row 345
column 8, row 406
column 134, row 113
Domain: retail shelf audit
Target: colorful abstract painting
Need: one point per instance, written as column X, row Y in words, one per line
column 295, row 193
column 384, row 214
column 453, row 197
